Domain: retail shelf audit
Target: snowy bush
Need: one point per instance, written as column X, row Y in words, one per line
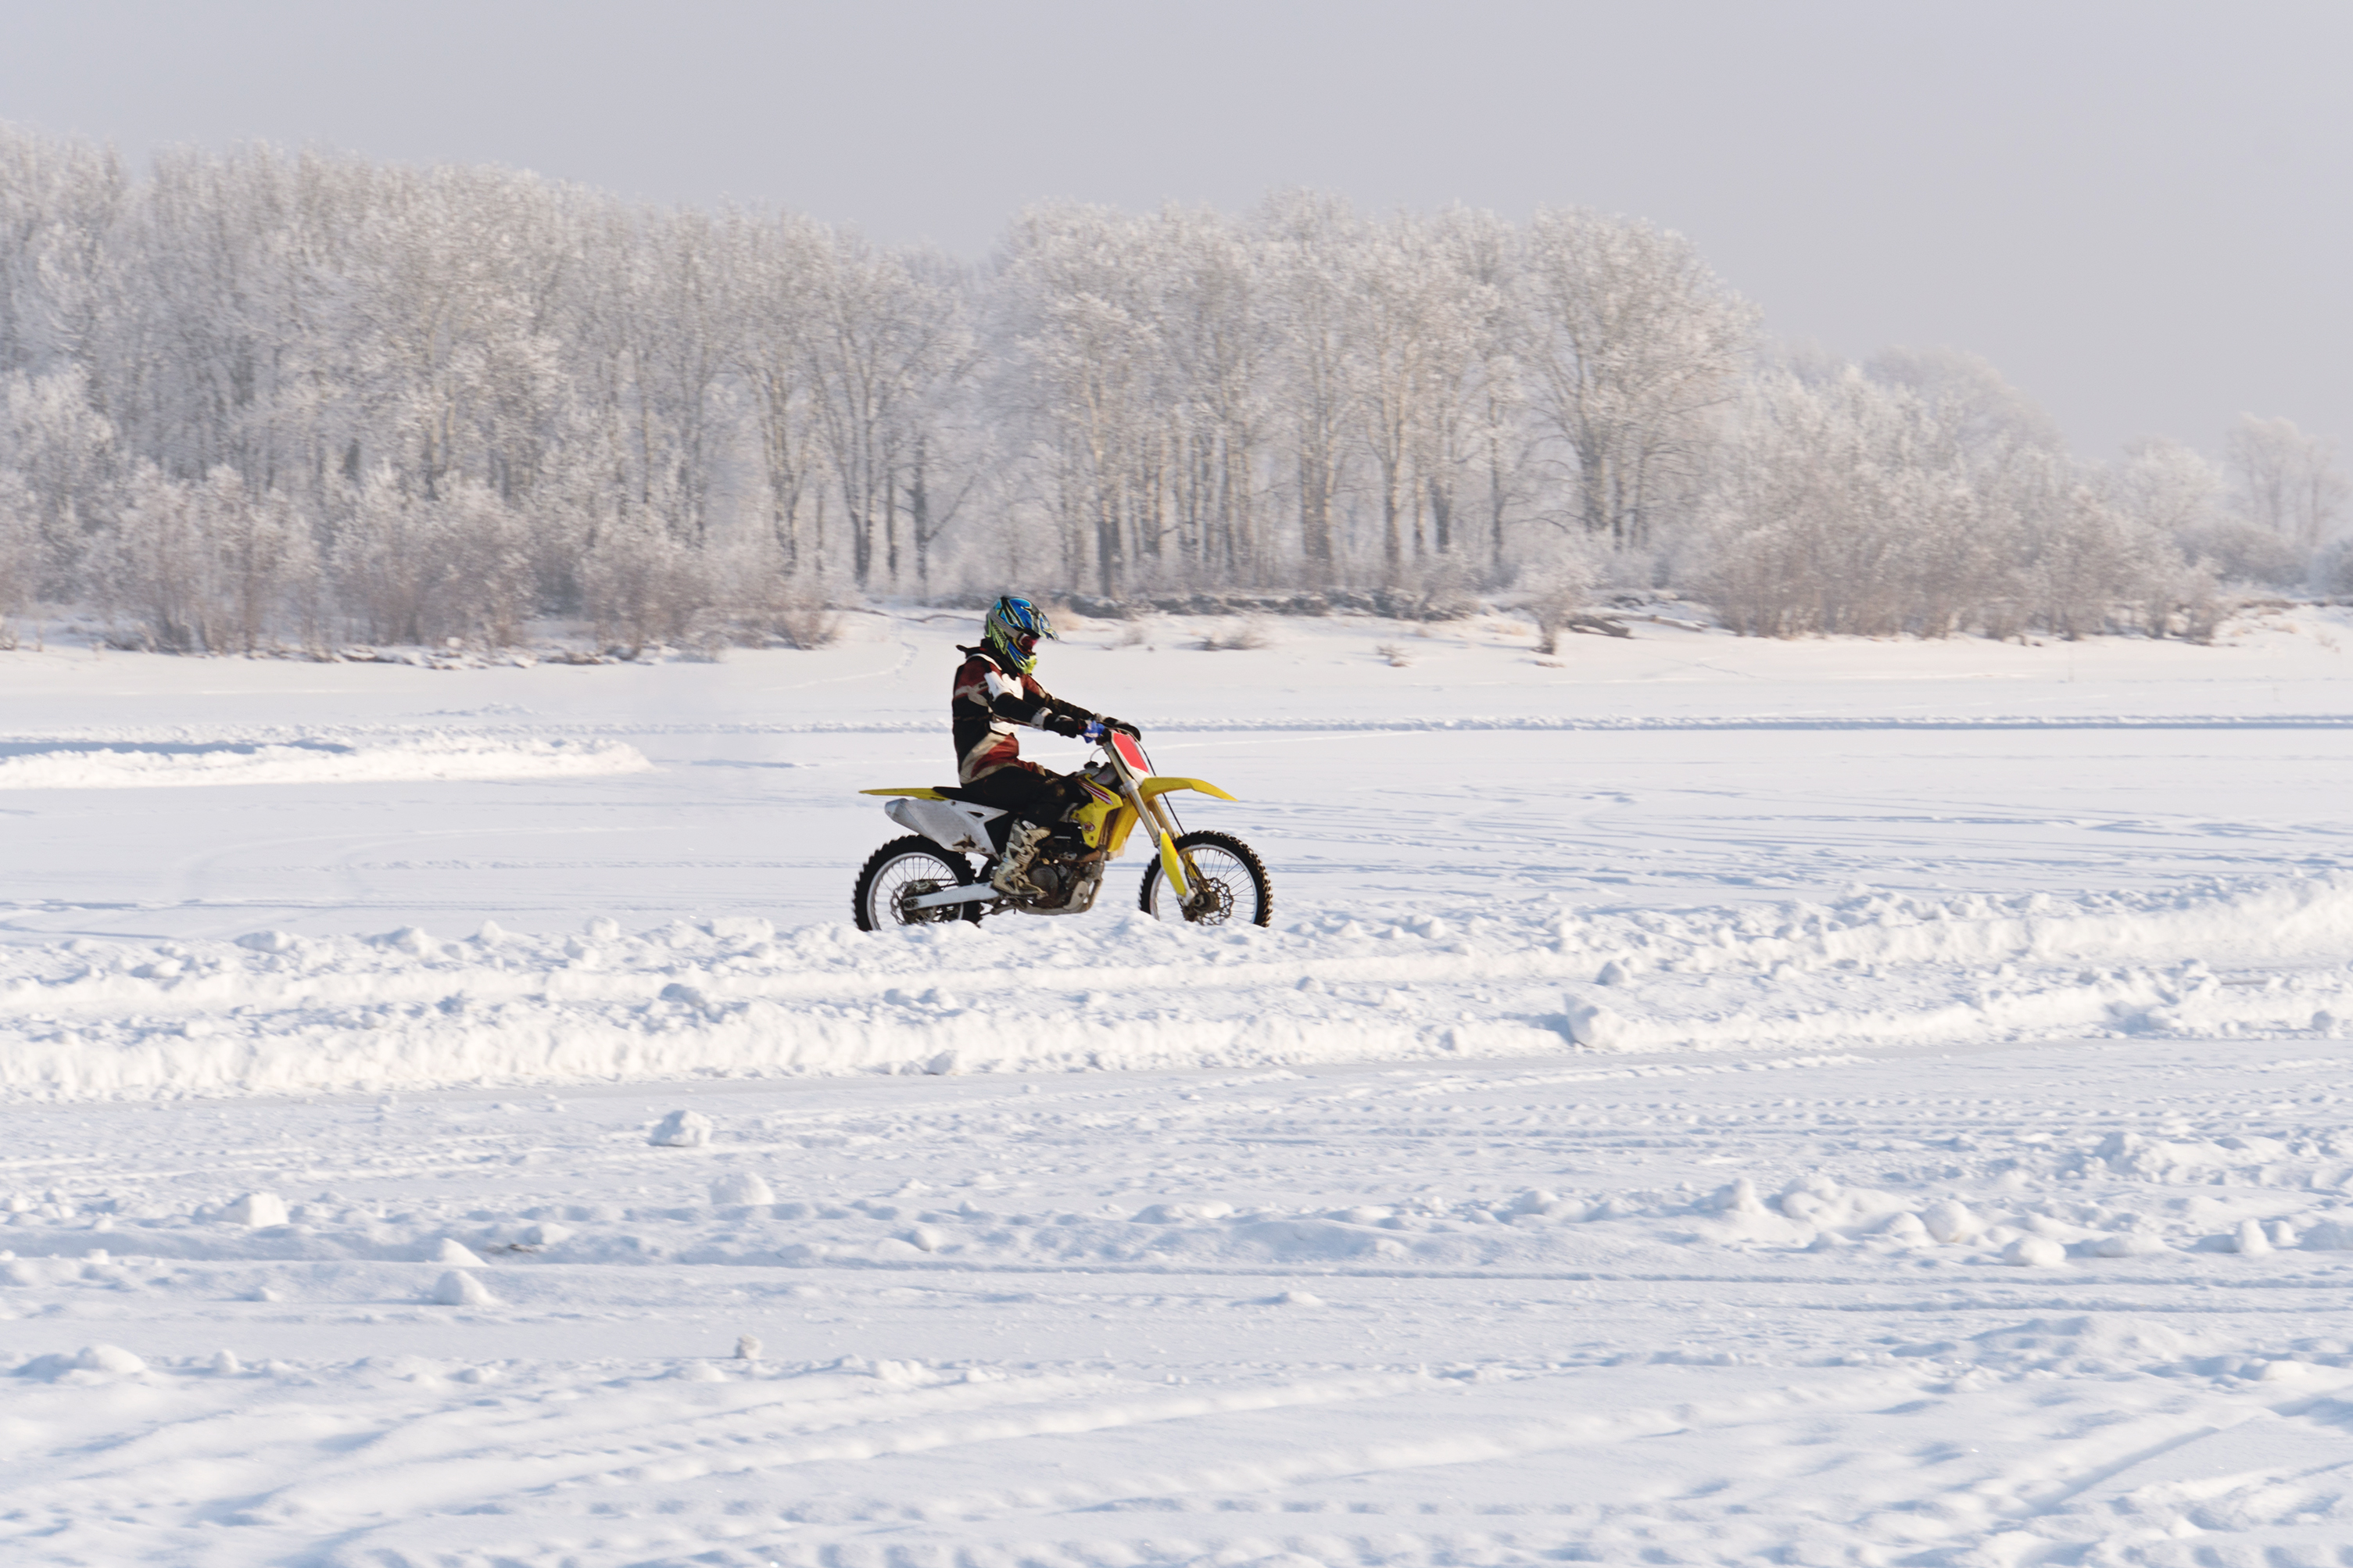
column 1561, row 582
column 641, row 585
column 797, row 617
column 203, row 567
column 421, row 569
column 1256, row 632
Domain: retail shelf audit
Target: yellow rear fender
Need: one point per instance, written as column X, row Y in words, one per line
column 926, row 794
column 1159, row 784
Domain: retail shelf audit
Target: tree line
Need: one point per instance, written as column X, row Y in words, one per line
column 257, row 397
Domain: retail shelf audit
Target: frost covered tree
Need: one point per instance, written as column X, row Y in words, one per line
column 2167, row 486
column 63, row 453
column 1844, row 504
column 59, row 204
column 452, row 399
column 2177, row 495
column 1307, row 236
column 2085, row 563
column 1978, row 412
column 2287, row 481
column 1922, row 495
column 20, row 546
column 774, row 261
column 1215, row 337
column 1629, row 342
column 1082, row 331
column 886, row 339
column 1417, row 321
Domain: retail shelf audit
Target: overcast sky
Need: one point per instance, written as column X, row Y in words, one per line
column 2139, row 211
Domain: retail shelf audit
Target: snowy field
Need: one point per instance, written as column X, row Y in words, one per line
column 1699, row 1101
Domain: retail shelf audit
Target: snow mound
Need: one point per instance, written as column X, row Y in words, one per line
column 740, row 1187
column 134, row 765
column 109, row 1359
column 257, row 1209
column 458, row 1289
column 2035, row 1252
column 683, row 1130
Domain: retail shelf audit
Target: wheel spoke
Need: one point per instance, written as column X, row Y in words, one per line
column 900, row 872
column 1226, row 886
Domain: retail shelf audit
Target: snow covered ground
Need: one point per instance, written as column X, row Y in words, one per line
column 1701, row 1100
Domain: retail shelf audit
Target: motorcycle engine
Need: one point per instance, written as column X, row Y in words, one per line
column 1069, row 871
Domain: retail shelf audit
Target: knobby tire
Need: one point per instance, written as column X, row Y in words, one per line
column 1258, row 888
column 879, row 868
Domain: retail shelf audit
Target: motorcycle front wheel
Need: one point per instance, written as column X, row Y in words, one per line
column 906, row 868
column 1230, row 884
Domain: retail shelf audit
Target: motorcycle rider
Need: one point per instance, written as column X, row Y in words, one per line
column 995, row 691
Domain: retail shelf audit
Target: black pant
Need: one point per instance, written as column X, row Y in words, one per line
column 1023, row 789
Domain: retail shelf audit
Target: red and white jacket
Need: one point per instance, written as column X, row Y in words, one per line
column 988, row 702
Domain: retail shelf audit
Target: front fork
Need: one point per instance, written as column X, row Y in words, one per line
column 1172, row 866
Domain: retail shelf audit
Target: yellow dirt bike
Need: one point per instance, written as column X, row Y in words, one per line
column 1201, row 878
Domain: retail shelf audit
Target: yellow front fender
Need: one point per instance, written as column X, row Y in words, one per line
column 925, row 793
column 1159, row 784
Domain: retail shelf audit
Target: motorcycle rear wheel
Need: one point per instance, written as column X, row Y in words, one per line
column 1231, row 887
column 905, row 868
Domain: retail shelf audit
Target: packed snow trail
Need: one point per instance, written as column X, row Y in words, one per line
column 2010, row 1306
column 275, row 1011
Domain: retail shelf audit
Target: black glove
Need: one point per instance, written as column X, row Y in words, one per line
column 1065, row 724
column 1122, row 725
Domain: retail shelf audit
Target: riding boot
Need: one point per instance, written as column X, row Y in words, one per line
column 1021, row 847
